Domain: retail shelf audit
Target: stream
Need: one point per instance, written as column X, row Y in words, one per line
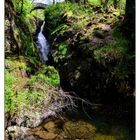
column 43, row 45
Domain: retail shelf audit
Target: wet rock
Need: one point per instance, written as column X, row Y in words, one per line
column 18, row 130
column 50, row 126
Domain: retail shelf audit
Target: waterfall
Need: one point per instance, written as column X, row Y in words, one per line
column 43, row 45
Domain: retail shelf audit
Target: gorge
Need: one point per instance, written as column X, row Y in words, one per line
column 80, row 48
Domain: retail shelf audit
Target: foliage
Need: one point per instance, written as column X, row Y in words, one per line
column 25, row 26
column 62, row 52
column 70, row 23
column 13, row 64
column 20, row 93
column 64, row 20
column 62, row 49
column 27, row 6
column 24, row 30
column 9, row 93
column 47, row 74
column 53, row 76
column 29, row 46
column 67, row 19
column 67, row 13
column 32, row 97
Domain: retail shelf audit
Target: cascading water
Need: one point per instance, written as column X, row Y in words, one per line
column 43, row 45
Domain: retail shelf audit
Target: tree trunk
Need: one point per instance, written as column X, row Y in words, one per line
column 128, row 26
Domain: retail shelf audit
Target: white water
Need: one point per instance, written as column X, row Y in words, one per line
column 43, row 45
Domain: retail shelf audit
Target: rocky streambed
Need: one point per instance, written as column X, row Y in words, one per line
column 75, row 128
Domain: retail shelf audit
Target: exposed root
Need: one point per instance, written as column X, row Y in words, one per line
column 52, row 102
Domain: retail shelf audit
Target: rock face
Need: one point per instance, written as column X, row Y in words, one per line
column 10, row 15
column 18, row 34
column 90, row 60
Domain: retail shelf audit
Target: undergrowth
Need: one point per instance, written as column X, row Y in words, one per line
column 17, row 92
column 9, row 93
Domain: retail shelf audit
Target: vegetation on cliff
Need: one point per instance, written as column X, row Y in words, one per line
column 97, row 60
column 91, row 57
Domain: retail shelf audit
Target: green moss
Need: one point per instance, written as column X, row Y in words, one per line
column 117, row 49
column 62, row 49
column 53, row 76
column 46, row 74
column 13, row 64
column 26, row 93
